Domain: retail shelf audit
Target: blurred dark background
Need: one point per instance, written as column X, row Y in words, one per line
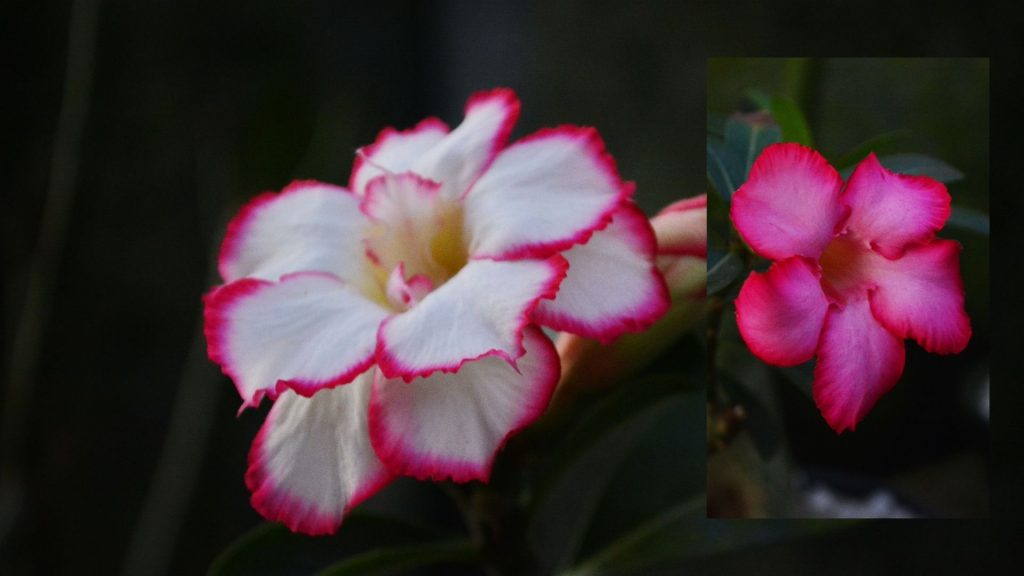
column 121, row 449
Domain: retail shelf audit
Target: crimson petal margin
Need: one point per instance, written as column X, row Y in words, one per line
column 312, row 460
column 543, row 194
column 453, row 425
column 306, row 333
column 612, row 286
column 464, row 154
column 790, row 204
column 481, row 311
column 780, row 313
column 858, row 362
column 309, row 226
column 394, row 151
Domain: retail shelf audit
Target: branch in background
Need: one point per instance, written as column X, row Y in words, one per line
column 42, row 279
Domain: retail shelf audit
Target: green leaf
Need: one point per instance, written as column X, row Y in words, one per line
column 791, row 120
column 879, row 144
column 398, row 560
column 748, row 136
column 802, row 377
column 272, row 549
column 724, row 272
column 968, row 219
column 724, row 168
column 916, row 165
column 644, row 544
column 729, row 161
column 682, row 533
column 760, row 98
column 565, row 503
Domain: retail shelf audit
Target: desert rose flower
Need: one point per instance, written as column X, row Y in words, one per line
column 856, row 271
column 396, row 321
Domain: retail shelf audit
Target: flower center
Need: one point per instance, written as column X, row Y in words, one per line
column 845, row 268
column 448, row 248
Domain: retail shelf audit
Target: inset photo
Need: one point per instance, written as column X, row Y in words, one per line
column 848, row 288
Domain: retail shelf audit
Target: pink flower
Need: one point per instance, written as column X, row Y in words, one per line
column 396, row 322
column 857, row 270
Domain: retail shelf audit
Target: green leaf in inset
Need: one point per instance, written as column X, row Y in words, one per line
column 968, row 219
column 748, row 135
column 386, row 561
column 879, row 144
column 790, row 120
column 724, row 272
column 760, row 98
column 724, row 168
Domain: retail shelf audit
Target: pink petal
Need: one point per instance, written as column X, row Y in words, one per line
column 481, row 311
column 453, row 425
column 780, row 313
column 309, row 226
column 858, row 362
column 682, row 228
column 459, row 159
column 312, row 461
column 921, row 296
column 395, row 152
column 891, row 211
column 790, row 204
column 543, row 194
column 613, row 285
column 307, row 332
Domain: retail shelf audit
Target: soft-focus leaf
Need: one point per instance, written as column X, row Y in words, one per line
column 969, row 219
column 401, row 559
column 665, row 544
column 724, row 168
column 724, row 272
column 588, row 457
column 272, row 549
column 762, row 421
column 760, row 98
column 879, row 144
column 716, row 124
column 748, row 135
column 791, row 120
column 916, row 165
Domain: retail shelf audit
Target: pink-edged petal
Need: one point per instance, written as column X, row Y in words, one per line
column 459, row 159
column 921, row 296
column 312, row 460
column 408, row 216
column 858, row 362
column 395, row 151
column 309, row 226
column 307, row 332
column 453, row 425
column 682, row 228
column 780, row 312
column 481, row 311
column 613, row 285
column 790, row 204
column 405, row 293
column 891, row 211
column 543, row 194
